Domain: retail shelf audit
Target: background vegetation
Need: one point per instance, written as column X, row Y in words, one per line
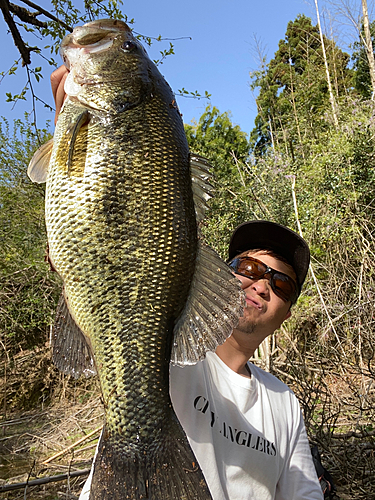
column 300, row 167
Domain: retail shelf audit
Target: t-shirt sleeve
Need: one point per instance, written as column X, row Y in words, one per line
column 299, row 480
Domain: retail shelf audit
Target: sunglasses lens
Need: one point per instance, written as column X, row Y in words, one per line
column 250, row 268
column 282, row 284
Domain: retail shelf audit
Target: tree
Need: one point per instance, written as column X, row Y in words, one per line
column 226, row 146
column 293, row 90
column 362, row 78
column 299, row 150
column 354, row 15
column 245, row 189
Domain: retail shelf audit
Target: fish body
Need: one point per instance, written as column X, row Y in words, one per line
column 122, row 233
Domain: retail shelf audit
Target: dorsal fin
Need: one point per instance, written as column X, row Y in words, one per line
column 201, row 175
column 216, row 300
column 39, row 163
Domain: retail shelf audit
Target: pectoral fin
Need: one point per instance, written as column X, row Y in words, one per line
column 38, row 166
column 215, row 303
column 71, row 350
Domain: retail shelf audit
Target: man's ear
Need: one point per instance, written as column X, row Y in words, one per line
column 288, row 315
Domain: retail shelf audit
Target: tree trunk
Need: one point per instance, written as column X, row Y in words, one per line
column 369, row 49
column 331, row 96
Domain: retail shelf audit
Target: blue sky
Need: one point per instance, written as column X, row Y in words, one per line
column 218, row 59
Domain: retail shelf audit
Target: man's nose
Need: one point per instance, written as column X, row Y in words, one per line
column 262, row 287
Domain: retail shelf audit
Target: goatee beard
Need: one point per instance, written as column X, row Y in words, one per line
column 246, row 326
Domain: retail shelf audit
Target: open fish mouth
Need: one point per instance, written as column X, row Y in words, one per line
column 75, row 51
column 92, row 38
column 93, row 32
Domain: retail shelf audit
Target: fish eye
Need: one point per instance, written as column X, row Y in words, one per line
column 128, row 46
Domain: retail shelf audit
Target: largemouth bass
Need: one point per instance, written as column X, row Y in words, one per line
column 123, row 199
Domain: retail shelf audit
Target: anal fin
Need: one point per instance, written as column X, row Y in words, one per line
column 71, row 350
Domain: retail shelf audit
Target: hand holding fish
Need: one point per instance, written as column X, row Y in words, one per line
column 58, row 78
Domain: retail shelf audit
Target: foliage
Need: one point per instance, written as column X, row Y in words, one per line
column 28, row 291
column 308, row 172
column 306, row 169
column 56, row 22
column 50, row 26
column 245, row 189
column 326, row 351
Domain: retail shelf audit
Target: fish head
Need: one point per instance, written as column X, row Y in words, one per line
column 108, row 67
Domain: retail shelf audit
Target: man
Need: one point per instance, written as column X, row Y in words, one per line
column 244, row 425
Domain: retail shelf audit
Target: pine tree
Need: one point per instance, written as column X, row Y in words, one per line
column 293, row 90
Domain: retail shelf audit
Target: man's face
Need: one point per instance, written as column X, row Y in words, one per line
column 264, row 311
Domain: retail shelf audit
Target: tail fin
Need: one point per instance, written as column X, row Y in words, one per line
column 165, row 470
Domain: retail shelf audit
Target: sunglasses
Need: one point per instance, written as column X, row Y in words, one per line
column 283, row 285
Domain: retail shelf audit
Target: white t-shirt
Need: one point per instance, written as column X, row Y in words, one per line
column 247, row 434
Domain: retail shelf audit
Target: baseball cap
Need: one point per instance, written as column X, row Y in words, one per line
column 268, row 235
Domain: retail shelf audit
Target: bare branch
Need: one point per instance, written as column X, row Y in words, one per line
column 368, row 45
column 331, row 97
column 18, row 41
column 26, row 16
column 43, row 480
column 47, row 14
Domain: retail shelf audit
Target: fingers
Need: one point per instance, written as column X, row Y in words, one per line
column 58, row 78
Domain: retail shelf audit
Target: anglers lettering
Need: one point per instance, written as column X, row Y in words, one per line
column 237, row 436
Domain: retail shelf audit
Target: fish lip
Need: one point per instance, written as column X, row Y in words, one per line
column 86, row 81
column 108, row 24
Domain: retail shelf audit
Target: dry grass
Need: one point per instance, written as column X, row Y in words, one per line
column 338, row 402
column 67, row 411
